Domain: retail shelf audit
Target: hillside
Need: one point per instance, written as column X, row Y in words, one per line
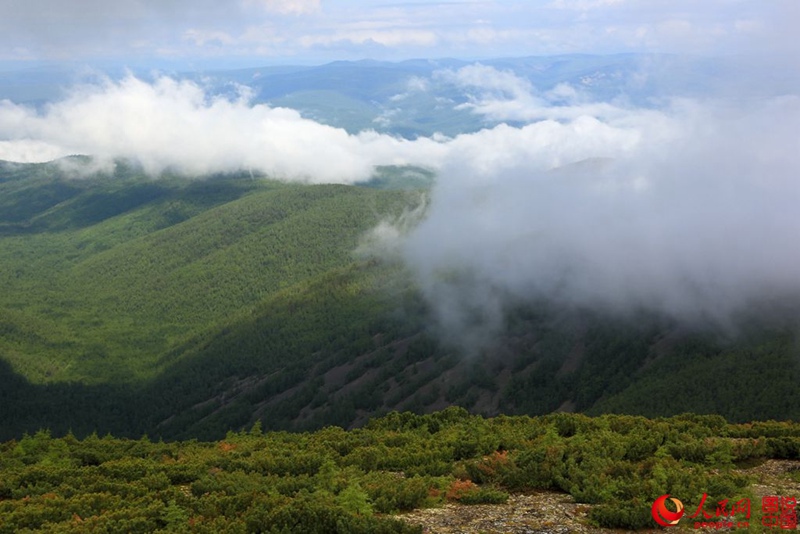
column 185, row 308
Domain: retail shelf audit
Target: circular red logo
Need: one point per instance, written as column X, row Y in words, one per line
column 664, row 516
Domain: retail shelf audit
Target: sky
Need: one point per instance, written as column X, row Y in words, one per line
column 255, row 32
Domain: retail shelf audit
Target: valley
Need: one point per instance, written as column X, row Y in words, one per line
column 187, row 307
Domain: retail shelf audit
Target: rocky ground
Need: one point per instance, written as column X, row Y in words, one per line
column 541, row 512
column 557, row 513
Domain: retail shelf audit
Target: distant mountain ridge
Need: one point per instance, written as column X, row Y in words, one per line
column 368, row 94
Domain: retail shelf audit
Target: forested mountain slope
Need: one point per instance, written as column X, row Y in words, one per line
column 186, row 307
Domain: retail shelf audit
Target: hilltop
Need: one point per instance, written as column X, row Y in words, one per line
column 447, row 471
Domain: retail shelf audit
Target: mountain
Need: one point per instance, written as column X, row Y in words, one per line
column 421, row 97
column 183, row 307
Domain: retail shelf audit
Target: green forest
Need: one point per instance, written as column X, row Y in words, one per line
column 333, row 480
column 255, row 361
column 185, row 308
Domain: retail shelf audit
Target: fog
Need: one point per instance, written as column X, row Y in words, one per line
column 689, row 209
column 690, row 212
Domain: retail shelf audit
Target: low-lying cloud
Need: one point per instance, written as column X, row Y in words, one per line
column 501, row 95
column 689, row 210
column 177, row 125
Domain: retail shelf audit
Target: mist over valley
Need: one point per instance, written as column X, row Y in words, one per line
column 569, row 226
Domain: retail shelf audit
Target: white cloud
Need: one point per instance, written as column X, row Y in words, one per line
column 415, row 84
column 584, row 5
column 171, row 124
column 176, row 124
column 91, row 29
column 390, row 37
column 205, row 37
column 503, row 96
column 693, row 216
column 287, row 7
column 748, row 26
column 29, row 151
column 488, row 79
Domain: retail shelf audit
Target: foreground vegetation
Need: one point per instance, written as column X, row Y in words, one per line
column 334, row 480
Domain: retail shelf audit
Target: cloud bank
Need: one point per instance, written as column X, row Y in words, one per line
column 176, row 125
column 501, row 95
column 689, row 210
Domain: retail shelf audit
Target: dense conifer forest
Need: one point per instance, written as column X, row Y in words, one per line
column 185, row 308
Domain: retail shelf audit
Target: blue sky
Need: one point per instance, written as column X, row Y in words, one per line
column 311, row 31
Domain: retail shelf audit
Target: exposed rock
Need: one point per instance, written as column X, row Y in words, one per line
column 550, row 512
column 541, row 512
